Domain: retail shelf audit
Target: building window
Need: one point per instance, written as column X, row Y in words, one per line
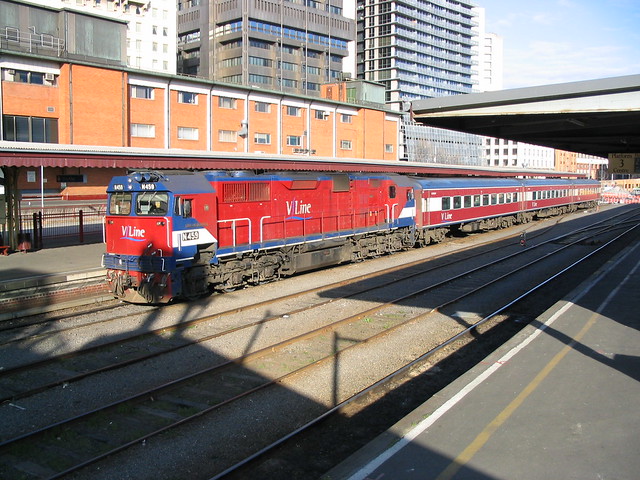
column 388, row 147
column 30, row 129
column 292, row 67
column 188, row 97
column 287, row 82
column 261, row 79
column 294, row 140
column 187, row 133
column 345, row 144
column 227, row 136
column 141, row 92
column 233, row 79
column 23, row 76
column 321, row 114
column 259, row 44
column 384, row 63
column 344, row 118
column 262, row 138
column 293, row 111
column 231, row 62
column 262, row 107
column 143, row 130
column 227, row 102
column 261, row 62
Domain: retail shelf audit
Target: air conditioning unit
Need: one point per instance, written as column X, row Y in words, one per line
column 49, row 77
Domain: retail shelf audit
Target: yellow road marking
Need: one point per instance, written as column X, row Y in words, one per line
column 484, row 436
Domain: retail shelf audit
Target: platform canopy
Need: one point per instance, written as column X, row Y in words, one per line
column 594, row 117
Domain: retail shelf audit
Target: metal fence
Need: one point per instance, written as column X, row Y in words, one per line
column 58, row 226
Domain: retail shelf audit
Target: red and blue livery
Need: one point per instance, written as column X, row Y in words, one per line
column 183, row 235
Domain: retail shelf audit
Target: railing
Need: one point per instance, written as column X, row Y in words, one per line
column 13, row 38
column 60, row 226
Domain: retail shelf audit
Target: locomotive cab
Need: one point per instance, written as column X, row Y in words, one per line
column 156, row 235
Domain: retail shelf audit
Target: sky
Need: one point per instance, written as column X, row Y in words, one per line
column 558, row 41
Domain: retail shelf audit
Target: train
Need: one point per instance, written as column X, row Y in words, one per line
column 183, row 235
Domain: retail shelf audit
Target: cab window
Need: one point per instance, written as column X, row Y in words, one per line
column 120, row 203
column 152, row 203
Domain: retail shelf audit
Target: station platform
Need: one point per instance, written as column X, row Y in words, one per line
column 68, row 260
column 50, row 279
column 560, row 400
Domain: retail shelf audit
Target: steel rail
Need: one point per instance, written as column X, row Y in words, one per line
column 401, row 371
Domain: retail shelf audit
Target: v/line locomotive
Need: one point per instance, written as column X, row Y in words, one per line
column 184, row 235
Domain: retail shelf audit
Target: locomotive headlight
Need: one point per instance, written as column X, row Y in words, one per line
column 160, row 223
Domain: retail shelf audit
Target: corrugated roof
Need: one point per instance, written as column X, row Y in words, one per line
column 19, row 154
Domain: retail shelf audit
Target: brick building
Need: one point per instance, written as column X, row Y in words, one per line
column 79, row 103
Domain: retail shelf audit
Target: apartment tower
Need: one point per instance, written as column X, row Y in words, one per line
column 421, row 49
column 418, row 49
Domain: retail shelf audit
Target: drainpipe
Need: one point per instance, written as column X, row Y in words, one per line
column 167, row 115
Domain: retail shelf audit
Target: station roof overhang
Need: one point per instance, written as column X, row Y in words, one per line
column 19, row 154
column 593, row 117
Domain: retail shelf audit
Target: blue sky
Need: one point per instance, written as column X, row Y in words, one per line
column 557, row 41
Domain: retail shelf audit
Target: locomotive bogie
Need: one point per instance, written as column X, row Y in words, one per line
column 172, row 236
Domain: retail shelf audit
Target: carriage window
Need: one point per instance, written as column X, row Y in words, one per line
column 120, row 203
column 515, row 197
column 508, row 198
column 457, row 202
column 501, row 198
column 392, row 191
column 152, row 203
column 476, row 200
column 467, row 201
column 494, row 199
column 446, row 203
column 485, row 199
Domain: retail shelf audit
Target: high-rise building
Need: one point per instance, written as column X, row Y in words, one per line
column 150, row 32
column 490, row 57
column 421, row 49
column 417, row 48
column 291, row 46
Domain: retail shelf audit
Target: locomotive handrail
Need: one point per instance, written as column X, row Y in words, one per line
column 262, row 227
column 390, row 210
column 233, row 227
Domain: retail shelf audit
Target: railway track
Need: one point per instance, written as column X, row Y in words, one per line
column 30, row 377
column 257, row 369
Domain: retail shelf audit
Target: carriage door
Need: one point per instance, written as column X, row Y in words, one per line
column 419, row 202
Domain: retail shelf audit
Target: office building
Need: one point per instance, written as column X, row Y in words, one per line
column 289, row 46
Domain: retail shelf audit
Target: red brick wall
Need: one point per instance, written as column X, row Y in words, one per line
column 98, row 106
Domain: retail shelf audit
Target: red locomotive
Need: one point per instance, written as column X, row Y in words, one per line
column 183, row 235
